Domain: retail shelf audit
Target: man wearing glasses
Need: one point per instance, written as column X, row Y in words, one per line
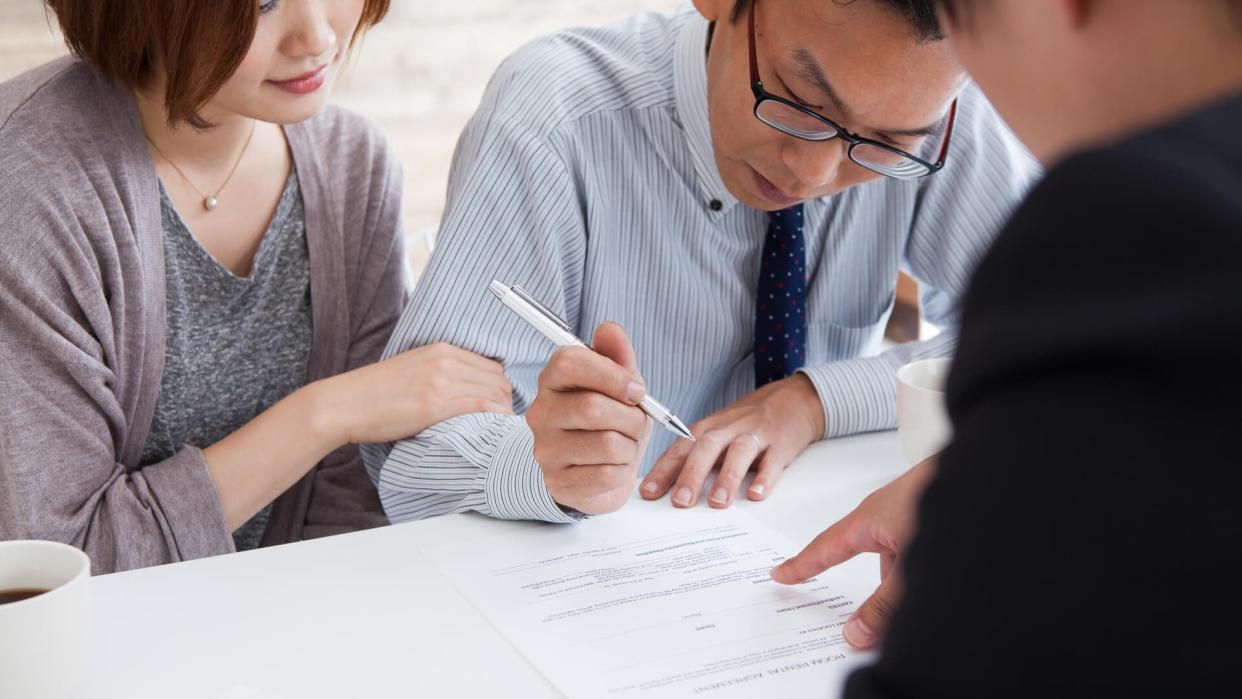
column 739, row 187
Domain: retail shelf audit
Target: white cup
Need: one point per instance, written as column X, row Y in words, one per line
column 922, row 418
column 44, row 640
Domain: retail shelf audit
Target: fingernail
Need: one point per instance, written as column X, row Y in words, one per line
column 649, row 487
column 859, row 634
column 682, row 496
column 635, row 392
column 758, row 490
column 720, row 496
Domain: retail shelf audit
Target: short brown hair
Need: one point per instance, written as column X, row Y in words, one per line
column 921, row 14
column 200, row 43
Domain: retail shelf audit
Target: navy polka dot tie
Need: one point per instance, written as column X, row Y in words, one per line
column 780, row 318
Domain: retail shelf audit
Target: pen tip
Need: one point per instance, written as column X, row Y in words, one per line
column 681, row 428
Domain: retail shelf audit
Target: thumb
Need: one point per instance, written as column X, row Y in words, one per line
column 867, row 625
column 612, row 342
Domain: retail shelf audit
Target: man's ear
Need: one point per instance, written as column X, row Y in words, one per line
column 714, row 10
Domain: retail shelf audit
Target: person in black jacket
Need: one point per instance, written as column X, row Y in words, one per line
column 1082, row 534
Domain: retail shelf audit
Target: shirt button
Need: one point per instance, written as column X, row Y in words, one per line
column 716, row 205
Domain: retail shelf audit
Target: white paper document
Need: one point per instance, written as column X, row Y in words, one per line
column 656, row 602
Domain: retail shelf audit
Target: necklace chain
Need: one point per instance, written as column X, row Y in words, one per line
column 210, row 201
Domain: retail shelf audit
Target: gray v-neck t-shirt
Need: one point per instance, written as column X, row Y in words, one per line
column 234, row 345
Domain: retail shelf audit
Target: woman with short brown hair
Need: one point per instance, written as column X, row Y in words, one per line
column 202, row 264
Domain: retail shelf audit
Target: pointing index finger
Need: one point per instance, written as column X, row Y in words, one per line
column 832, row 547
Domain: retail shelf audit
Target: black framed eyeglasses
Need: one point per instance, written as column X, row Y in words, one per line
column 800, row 122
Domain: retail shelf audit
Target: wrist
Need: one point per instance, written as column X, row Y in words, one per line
column 925, row 470
column 810, row 407
column 320, row 408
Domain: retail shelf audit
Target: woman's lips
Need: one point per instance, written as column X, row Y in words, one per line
column 304, row 84
column 772, row 193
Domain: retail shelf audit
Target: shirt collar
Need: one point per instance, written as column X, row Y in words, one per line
column 690, row 85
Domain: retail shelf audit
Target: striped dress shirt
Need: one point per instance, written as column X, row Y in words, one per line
column 587, row 176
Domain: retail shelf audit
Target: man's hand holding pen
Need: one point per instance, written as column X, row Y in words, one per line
column 589, row 433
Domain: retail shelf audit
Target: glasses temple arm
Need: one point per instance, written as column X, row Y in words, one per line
column 754, row 66
column 948, row 133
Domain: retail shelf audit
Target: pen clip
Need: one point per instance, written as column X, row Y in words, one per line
column 540, row 307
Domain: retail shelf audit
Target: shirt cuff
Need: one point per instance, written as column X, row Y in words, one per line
column 514, row 484
column 858, row 395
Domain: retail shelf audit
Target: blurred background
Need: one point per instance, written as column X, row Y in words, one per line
column 420, row 75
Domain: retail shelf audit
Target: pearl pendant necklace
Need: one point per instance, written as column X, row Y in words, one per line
column 210, row 201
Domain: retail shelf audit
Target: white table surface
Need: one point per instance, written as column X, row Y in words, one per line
column 367, row 615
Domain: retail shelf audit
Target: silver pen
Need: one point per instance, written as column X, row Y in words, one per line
column 559, row 332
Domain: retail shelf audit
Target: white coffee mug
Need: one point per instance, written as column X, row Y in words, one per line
column 922, row 418
column 44, row 639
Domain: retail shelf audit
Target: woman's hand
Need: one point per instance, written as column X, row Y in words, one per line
column 404, row 395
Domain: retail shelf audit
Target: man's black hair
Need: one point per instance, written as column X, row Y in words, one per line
column 920, row 13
